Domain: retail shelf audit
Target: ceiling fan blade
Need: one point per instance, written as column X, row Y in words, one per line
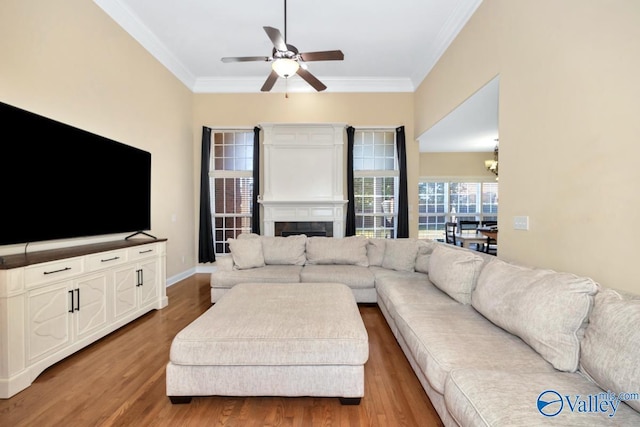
column 311, row 79
column 271, row 80
column 245, row 58
column 276, row 38
column 327, row 55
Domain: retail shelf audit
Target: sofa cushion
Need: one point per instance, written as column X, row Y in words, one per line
column 611, row 344
column 266, row 274
column 444, row 337
column 375, row 251
column 400, row 289
column 455, row 271
column 547, row 309
column 246, row 253
column 400, row 254
column 288, row 250
column 495, row 398
column 354, row 276
column 329, row 250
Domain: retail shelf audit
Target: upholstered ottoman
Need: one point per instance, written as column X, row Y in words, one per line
column 275, row 339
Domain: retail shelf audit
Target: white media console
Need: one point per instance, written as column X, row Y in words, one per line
column 53, row 303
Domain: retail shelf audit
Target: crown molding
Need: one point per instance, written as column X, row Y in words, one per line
column 126, row 19
column 456, row 21
column 297, row 85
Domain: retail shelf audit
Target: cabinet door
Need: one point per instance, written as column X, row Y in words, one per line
column 90, row 311
column 149, row 285
column 48, row 319
column 125, row 296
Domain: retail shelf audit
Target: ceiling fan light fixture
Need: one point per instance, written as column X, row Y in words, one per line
column 285, row 67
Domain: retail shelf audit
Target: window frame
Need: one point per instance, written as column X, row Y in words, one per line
column 218, row 174
column 375, row 174
column 449, row 216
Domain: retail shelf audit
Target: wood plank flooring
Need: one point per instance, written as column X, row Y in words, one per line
column 120, row 381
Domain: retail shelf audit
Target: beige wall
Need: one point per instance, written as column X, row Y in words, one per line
column 69, row 61
column 455, row 164
column 569, row 100
column 568, row 122
column 358, row 110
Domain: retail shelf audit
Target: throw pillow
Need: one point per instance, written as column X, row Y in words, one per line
column 546, row 309
column 288, row 250
column 611, row 343
column 331, row 250
column 455, row 272
column 246, row 253
column 425, row 249
column 400, row 254
column 375, row 251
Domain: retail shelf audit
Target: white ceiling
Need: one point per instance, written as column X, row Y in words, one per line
column 471, row 127
column 388, row 46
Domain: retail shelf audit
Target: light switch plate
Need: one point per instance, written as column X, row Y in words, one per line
column 520, row 222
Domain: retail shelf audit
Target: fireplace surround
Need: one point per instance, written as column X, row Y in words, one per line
column 310, row 228
column 304, row 176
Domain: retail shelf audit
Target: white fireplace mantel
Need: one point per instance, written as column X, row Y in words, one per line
column 303, row 174
column 301, row 210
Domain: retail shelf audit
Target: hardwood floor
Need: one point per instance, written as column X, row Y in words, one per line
column 120, row 381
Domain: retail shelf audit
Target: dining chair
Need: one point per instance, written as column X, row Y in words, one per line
column 491, row 247
column 468, row 226
column 450, row 233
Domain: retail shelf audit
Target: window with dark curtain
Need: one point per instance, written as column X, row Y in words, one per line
column 403, row 201
column 350, row 226
column 206, row 249
column 255, row 221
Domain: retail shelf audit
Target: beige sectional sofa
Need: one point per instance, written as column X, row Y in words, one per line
column 492, row 343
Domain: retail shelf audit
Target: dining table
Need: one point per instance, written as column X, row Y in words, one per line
column 490, row 232
column 467, row 238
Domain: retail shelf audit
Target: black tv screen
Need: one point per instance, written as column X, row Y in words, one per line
column 62, row 182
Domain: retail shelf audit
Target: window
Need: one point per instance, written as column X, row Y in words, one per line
column 440, row 202
column 375, row 165
column 231, row 185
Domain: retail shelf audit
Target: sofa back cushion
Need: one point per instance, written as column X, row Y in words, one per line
column 288, row 250
column 454, row 271
column 331, row 250
column 400, row 254
column 246, row 252
column 546, row 309
column 611, row 344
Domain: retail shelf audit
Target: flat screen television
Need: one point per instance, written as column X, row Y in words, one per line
column 61, row 182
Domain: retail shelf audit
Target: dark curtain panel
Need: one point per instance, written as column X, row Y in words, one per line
column 350, row 225
column 255, row 219
column 403, row 201
column 206, row 249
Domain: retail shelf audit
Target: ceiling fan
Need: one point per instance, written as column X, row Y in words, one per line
column 286, row 60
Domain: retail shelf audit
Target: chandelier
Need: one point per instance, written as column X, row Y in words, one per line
column 492, row 164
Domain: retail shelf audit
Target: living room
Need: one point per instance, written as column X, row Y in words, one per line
column 568, row 128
